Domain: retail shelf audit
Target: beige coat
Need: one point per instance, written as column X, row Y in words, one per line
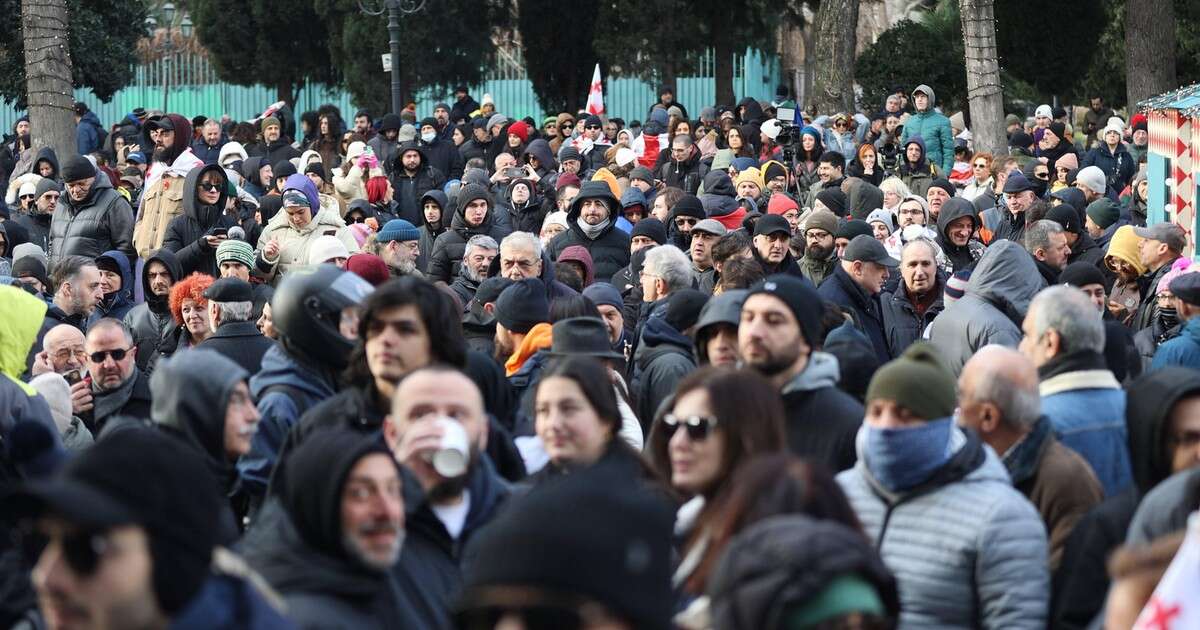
column 161, row 202
column 294, row 244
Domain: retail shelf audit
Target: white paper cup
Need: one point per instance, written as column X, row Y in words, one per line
column 452, row 456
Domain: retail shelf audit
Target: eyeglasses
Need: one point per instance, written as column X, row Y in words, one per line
column 1042, row 175
column 981, row 165
column 210, row 187
column 82, row 550
column 685, row 221
column 698, row 427
column 117, row 355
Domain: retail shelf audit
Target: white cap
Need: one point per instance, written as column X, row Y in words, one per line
column 555, row 218
column 487, row 100
column 1043, row 111
column 1114, row 124
column 28, row 188
column 625, row 156
column 1093, row 178
column 326, row 247
column 770, row 128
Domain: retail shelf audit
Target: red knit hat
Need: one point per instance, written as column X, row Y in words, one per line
column 520, row 130
column 369, row 267
column 781, row 203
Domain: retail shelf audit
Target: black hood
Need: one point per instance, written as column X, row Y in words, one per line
column 46, row 153
column 1151, row 399
column 204, row 215
column 440, row 198
column 313, row 480
column 159, row 304
column 250, row 171
column 718, row 183
column 191, row 392
column 397, row 163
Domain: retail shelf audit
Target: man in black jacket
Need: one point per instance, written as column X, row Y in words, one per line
column 235, row 335
column 855, row 287
column 117, row 387
column 412, row 176
column 439, row 151
column 778, row 337
column 151, row 320
column 273, row 147
column 592, row 220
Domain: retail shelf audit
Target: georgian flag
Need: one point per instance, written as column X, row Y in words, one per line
column 1175, row 604
column 595, row 100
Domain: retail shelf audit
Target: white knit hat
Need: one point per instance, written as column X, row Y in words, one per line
column 326, row 247
column 1043, row 111
column 28, row 188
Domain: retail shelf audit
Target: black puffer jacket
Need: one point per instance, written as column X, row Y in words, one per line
column 186, row 232
column 528, row 217
column 102, row 221
column 609, row 249
column 449, row 248
column 686, row 175
column 1081, row 583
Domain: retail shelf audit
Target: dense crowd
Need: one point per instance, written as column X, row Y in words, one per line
column 731, row 371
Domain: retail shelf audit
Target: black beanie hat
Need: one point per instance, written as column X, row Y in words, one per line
column 32, row 267
column 834, row 199
column 523, row 305
column 652, row 228
column 142, row 477
column 1081, row 273
column 773, row 169
column 853, row 228
column 801, row 297
column 76, row 168
column 597, row 534
column 944, row 184
column 683, row 308
column 689, row 206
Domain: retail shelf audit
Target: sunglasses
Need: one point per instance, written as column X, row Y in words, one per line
column 117, row 355
column 981, row 165
column 26, row 196
column 82, row 550
column 210, row 187
column 592, row 127
column 533, row 617
column 698, row 427
column 1042, row 175
column 356, row 219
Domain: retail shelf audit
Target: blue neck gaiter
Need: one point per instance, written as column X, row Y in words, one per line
column 902, row 459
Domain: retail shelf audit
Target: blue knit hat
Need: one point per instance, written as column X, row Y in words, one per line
column 398, row 230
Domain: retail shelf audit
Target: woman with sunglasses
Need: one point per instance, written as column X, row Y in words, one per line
column 720, row 420
column 838, row 136
column 578, row 419
column 194, row 235
column 982, row 181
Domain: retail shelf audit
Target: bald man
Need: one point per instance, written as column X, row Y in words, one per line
column 998, row 398
column 444, row 507
column 62, row 352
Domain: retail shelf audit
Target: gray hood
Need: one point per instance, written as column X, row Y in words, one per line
column 822, row 371
column 187, row 388
column 725, row 308
column 1006, row 277
column 928, row 90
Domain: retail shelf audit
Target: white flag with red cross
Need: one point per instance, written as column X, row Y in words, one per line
column 595, row 102
column 1175, row 604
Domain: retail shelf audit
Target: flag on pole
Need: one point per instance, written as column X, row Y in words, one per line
column 595, row 100
column 1175, row 603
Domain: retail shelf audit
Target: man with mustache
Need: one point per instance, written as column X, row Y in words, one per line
column 162, row 199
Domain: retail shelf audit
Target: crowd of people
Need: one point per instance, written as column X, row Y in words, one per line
column 728, row 371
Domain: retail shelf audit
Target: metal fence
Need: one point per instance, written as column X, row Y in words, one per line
column 192, row 88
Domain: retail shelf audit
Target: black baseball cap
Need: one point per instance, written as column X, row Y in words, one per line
column 159, row 122
column 772, row 224
column 864, row 248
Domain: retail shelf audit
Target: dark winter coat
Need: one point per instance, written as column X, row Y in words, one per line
column 430, row 231
column 442, row 155
column 87, row 133
column 686, row 175
column 230, row 601
column 131, row 401
column 274, row 152
column 209, row 154
column 841, row 289
column 1118, row 166
column 117, row 304
column 822, row 420
column 900, row 320
column 101, row 222
column 37, row 226
column 663, row 359
column 609, row 250
column 449, row 248
column 530, row 215
column 408, row 189
column 965, row 256
column 240, row 342
column 186, row 232
column 151, row 321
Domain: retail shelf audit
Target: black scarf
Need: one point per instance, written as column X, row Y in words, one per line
column 1077, row 361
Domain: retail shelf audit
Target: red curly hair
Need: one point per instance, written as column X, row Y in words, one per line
column 190, row 288
column 376, row 188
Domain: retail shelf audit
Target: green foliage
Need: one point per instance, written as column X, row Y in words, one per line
column 445, row 43
column 909, row 54
column 103, row 35
column 263, row 42
column 624, row 39
column 557, row 41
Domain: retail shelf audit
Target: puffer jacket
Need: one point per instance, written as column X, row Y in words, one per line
column 530, row 215
column 901, row 323
column 101, row 222
column 934, row 127
column 162, row 200
column 151, row 321
column 185, row 232
column 998, row 294
column 446, row 258
column 610, row 249
column 408, row 190
column 662, row 360
column 293, row 243
column 967, row 549
column 1183, row 350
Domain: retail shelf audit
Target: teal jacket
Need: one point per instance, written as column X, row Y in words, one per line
column 935, row 129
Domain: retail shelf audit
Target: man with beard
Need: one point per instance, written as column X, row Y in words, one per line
column 162, row 195
column 331, row 549
column 399, row 247
column 114, row 387
column 778, row 337
column 151, row 320
column 445, row 504
column 819, row 258
column 481, row 250
column 274, row 147
column 77, row 290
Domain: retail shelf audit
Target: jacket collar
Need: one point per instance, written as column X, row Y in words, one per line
column 1023, row 458
column 1078, row 370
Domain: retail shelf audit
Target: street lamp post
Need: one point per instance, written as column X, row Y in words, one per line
column 394, row 8
column 167, row 48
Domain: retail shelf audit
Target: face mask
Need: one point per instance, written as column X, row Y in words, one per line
column 1168, row 317
column 428, row 136
column 902, row 459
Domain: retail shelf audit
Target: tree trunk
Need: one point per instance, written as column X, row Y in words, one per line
column 48, row 75
column 983, row 76
column 833, row 56
column 286, row 92
column 1149, row 49
column 723, row 71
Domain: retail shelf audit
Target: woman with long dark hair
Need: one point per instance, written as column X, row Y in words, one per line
column 328, row 142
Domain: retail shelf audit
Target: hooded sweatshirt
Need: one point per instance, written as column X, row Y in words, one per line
column 21, row 316
column 960, row 257
column 152, row 319
column 118, row 303
column 186, row 232
column 579, row 254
